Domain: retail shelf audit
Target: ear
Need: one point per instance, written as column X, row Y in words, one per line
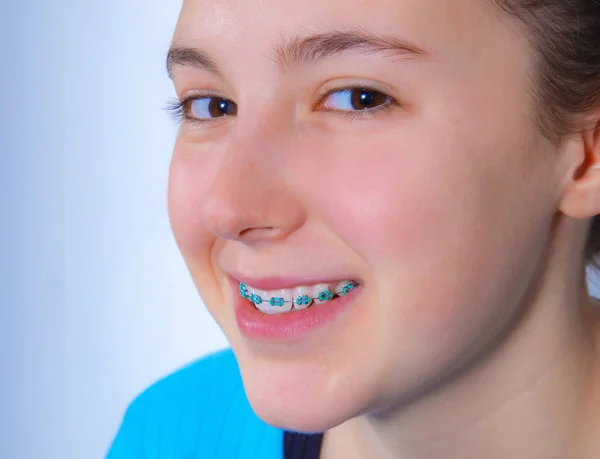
column 581, row 195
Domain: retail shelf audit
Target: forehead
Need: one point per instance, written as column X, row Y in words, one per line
column 430, row 24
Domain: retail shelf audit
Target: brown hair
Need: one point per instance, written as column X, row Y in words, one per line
column 565, row 35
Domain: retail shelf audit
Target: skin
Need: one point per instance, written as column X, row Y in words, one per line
column 475, row 335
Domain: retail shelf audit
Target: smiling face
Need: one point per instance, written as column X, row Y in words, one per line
column 387, row 141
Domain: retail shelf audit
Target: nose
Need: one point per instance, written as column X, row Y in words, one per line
column 249, row 200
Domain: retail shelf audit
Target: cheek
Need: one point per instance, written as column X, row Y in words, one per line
column 429, row 217
column 392, row 200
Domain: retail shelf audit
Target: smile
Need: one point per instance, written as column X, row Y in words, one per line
column 294, row 299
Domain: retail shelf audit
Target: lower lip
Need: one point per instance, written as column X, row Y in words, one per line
column 288, row 326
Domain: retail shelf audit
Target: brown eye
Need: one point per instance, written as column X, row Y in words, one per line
column 353, row 99
column 211, row 107
column 363, row 99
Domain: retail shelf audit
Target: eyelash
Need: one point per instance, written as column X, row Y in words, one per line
column 178, row 109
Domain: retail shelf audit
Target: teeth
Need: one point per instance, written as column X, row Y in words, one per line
column 322, row 293
column 302, row 297
column 284, row 300
column 272, row 301
column 345, row 287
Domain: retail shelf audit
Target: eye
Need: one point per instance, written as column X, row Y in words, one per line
column 203, row 108
column 355, row 99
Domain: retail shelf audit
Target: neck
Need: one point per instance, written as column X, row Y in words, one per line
column 532, row 396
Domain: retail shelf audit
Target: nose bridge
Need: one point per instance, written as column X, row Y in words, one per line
column 248, row 198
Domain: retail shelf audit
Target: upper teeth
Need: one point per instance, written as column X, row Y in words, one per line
column 301, row 297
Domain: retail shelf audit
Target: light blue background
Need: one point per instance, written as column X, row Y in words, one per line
column 95, row 300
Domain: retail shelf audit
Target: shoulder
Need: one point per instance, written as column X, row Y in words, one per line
column 200, row 410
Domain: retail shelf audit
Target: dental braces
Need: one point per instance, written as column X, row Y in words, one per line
column 302, row 300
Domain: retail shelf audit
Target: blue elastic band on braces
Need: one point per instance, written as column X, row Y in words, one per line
column 325, row 295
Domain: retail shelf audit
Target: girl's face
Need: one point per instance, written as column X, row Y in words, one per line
column 427, row 183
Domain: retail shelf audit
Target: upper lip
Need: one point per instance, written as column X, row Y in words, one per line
column 276, row 283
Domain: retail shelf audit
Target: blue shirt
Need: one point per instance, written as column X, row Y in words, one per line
column 200, row 411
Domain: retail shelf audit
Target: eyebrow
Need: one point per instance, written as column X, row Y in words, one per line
column 192, row 57
column 303, row 50
column 309, row 49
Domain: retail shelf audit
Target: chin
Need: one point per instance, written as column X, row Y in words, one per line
column 302, row 397
column 308, row 413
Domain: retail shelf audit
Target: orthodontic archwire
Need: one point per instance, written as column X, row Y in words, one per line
column 301, row 300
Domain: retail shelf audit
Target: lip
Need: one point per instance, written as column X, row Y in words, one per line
column 290, row 326
column 276, row 283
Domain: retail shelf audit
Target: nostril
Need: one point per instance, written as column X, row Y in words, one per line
column 257, row 234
